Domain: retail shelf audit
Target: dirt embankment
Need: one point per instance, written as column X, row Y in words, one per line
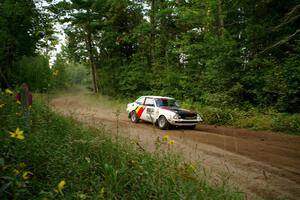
column 261, row 165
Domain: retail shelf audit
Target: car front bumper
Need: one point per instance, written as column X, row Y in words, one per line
column 184, row 122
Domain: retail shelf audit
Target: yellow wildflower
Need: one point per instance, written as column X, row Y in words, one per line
column 55, row 73
column 8, row 92
column 26, row 175
column 82, row 196
column 165, row 138
column 22, row 165
column 60, row 187
column 18, row 102
column 18, row 134
column 101, row 193
column 17, row 172
column 171, row 142
column 192, row 167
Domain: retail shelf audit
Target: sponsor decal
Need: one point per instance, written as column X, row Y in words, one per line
column 139, row 111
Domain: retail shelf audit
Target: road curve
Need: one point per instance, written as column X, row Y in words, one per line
column 261, row 165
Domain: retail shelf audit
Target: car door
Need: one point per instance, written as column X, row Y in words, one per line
column 140, row 107
column 149, row 106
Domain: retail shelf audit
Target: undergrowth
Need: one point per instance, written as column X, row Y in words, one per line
column 255, row 119
column 61, row 159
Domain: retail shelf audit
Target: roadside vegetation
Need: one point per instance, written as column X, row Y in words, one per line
column 62, row 159
column 254, row 118
column 235, row 62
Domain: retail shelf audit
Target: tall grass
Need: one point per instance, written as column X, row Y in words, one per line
column 254, row 118
column 90, row 162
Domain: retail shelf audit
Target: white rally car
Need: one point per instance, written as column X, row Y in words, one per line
column 163, row 111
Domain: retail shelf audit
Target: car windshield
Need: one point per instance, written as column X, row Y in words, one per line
column 166, row 103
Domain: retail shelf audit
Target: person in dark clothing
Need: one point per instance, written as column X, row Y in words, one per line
column 24, row 98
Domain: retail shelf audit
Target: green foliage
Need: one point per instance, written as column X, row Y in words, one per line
column 229, row 57
column 285, row 93
column 252, row 118
column 213, row 115
column 184, row 53
column 108, row 78
column 23, row 30
column 244, row 53
column 17, row 33
column 34, row 71
column 68, row 74
column 133, row 78
column 78, row 73
column 216, row 99
column 90, row 163
column 286, row 123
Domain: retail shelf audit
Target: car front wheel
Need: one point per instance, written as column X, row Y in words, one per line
column 163, row 123
column 133, row 117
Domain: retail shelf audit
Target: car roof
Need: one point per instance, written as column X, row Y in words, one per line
column 158, row 97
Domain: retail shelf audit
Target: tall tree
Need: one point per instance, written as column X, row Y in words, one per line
column 88, row 16
column 19, row 34
column 214, row 51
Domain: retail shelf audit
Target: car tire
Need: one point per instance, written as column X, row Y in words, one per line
column 163, row 123
column 133, row 117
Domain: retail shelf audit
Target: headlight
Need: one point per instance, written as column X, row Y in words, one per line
column 199, row 117
column 176, row 116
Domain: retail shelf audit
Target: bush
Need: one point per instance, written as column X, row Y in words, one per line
column 212, row 115
column 252, row 118
column 35, row 71
column 215, row 99
column 286, row 123
column 217, row 116
column 65, row 75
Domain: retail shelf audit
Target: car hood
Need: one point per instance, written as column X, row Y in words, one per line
column 180, row 111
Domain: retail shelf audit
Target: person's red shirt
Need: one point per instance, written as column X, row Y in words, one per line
column 18, row 98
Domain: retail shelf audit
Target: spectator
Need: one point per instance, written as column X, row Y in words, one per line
column 24, row 98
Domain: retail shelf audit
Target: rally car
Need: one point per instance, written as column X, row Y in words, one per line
column 163, row 111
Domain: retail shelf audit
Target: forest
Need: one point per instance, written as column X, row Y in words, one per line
column 236, row 53
column 235, row 62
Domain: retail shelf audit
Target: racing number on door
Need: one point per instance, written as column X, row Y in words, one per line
column 150, row 104
column 150, row 110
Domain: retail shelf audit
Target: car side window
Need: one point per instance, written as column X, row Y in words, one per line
column 140, row 100
column 149, row 102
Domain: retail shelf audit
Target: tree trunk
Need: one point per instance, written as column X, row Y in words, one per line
column 163, row 32
column 220, row 19
column 4, row 79
column 92, row 62
column 152, row 34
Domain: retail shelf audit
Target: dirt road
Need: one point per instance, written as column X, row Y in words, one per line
column 261, row 165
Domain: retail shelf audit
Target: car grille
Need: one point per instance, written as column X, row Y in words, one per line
column 189, row 118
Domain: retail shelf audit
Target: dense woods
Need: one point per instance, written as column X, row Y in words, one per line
column 224, row 53
column 235, row 62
